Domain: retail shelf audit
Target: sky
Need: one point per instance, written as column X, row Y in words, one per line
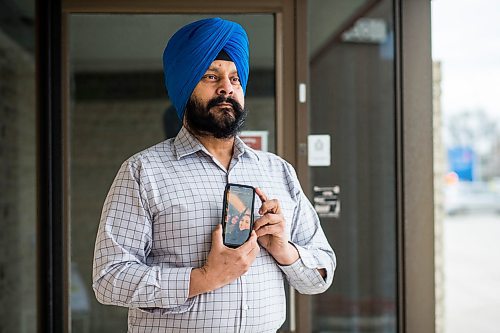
column 466, row 39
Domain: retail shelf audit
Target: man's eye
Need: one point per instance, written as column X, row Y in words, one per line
column 210, row 77
column 235, row 80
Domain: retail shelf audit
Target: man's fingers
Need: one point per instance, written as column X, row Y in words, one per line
column 248, row 246
column 270, row 229
column 270, row 206
column 266, row 220
column 255, row 251
column 217, row 236
column 260, row 222
column 262, row 195
column 255, row 246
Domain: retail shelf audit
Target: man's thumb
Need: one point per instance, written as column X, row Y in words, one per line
column 217, row 236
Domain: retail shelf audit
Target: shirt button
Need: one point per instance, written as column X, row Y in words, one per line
column 320, row 285
column 245, row 307
column 301, row 268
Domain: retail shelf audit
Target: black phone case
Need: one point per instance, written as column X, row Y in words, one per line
column 228, row 186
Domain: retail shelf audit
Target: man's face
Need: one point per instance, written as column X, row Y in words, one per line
column 216, row 105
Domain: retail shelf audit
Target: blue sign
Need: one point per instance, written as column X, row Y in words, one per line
column 461, row 160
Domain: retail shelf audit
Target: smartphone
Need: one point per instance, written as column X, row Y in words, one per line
column 237, row 214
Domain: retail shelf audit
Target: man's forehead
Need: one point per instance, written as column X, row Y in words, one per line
column 220, row 65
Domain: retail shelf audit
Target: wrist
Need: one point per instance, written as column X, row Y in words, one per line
column 287, row 256
column 200, row 282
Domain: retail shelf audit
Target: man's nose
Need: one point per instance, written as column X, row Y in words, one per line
column 225, row 87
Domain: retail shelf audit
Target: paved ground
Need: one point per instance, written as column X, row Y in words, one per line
column 472, row 274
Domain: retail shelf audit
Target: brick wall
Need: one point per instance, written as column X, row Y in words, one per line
column 17, row 185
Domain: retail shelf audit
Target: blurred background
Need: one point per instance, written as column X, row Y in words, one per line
column 466, row 56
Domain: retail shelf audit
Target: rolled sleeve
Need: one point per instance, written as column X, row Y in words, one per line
column 304, row 276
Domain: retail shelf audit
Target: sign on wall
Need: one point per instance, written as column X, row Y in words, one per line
column 318, row 150
column 255, row 139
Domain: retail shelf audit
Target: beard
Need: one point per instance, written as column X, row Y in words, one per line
column 221, row 122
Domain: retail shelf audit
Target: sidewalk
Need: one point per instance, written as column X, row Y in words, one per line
column 472, row 274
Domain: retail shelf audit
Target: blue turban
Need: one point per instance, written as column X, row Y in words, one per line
column 193, row 48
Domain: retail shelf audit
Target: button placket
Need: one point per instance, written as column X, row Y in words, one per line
column 244, row 303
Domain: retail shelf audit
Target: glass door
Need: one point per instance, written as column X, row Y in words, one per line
column 353, row 161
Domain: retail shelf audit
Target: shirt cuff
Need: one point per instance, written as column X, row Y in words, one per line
column 174, row 285
column 304, row 269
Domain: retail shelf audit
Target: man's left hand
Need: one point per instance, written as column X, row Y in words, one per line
column 271, row 231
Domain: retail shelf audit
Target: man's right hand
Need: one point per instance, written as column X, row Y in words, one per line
column 224, row 264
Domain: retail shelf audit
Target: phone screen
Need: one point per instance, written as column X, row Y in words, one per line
column 237, row 217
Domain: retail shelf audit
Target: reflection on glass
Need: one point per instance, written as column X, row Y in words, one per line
column 352, row 99
column 119, row 107
column 17, row 169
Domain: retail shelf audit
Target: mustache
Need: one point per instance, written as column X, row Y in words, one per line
column 201, row 121
column 221, row 99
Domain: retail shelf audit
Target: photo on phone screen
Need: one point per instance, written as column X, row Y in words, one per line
column 237, row 216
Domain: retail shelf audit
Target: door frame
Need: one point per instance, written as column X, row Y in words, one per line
column 285, row 78
column 415, row 166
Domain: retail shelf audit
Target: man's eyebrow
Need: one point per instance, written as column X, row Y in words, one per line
column 216, row 70
column 213, row 69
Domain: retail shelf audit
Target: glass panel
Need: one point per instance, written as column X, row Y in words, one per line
column 17, row 167
column 351, row 59
column 119, row 107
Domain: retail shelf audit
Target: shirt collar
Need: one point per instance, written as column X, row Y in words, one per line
column 241, row 148
column 186, row 144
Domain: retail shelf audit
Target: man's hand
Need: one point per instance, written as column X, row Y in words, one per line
column 224, row 264
column 271, row 231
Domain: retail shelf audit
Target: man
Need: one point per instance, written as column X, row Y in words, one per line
column 159, row 247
